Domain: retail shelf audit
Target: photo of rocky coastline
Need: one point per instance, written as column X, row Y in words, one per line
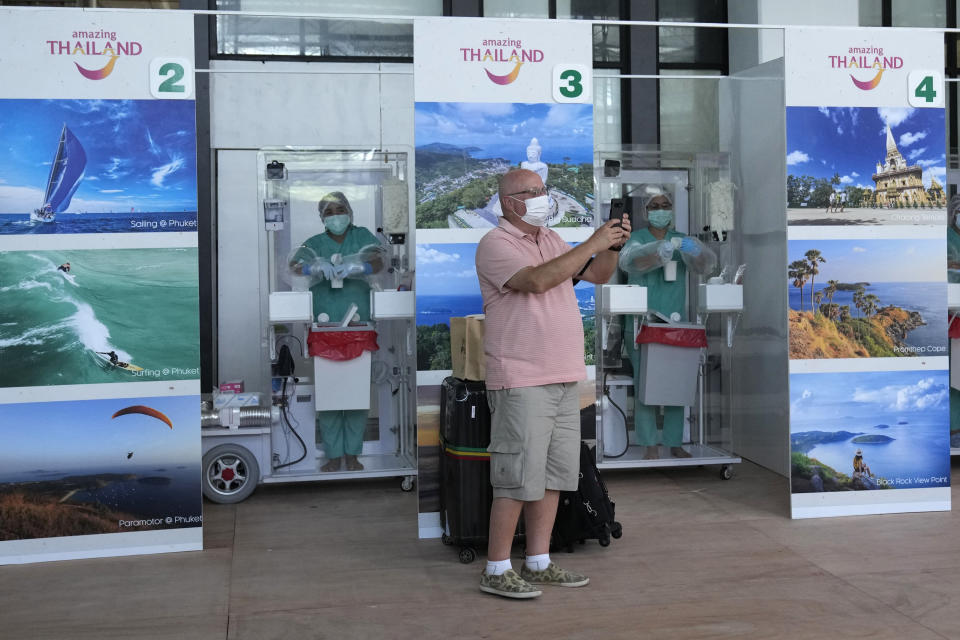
column 865, row 299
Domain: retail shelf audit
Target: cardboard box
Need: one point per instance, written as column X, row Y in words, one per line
column 466, row 348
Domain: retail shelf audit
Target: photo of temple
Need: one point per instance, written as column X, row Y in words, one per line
column 902, row 184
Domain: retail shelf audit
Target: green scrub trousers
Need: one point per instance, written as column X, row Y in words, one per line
column 667, row 298
column 341, row 431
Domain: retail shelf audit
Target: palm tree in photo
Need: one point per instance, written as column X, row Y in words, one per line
column 870, row 304
column 813, row 259
column 844, row 313
column 799, row 271
column 858, row 296
column 817, row 299
column 831, row 289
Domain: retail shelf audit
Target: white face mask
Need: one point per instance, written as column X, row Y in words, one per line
column 538, row 210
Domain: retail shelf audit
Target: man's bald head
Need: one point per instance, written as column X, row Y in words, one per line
column 515, row 181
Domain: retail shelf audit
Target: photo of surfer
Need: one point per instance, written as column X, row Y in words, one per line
column 97, row 166
column 99, row 466
column 89, row 316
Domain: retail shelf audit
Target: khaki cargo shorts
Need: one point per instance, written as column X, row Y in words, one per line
column 534, row 440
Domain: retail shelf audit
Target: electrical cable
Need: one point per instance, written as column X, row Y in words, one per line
column 286, row 418
column 626, row 428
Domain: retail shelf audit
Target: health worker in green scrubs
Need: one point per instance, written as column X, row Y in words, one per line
column 338, row 263
column 644, row 259
column 953, row 275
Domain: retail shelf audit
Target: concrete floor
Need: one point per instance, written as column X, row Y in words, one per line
column 699, row 558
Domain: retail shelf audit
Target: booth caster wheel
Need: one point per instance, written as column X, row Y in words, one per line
column 467, row 555
column 617, row 530
column 230, row 473
column 726, row 472
column 407, row 483
column 445, row 539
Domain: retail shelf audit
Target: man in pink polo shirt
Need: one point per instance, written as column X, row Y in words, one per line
column 534, row 347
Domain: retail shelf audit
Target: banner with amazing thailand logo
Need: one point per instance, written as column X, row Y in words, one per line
column 99, row 296
column 867, row 312
column 490, row 96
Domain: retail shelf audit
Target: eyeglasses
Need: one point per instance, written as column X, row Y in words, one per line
column 533, row 193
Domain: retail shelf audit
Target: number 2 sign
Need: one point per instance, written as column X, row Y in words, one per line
column 171, row 79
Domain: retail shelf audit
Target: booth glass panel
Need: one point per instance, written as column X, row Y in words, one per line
column 294, row 186
column 695, row 184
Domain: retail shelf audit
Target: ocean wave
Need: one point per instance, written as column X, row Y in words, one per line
column 26, row 285
column 34, row 336
column 92, row 333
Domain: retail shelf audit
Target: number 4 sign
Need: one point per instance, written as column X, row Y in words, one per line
column 171, row 79
column 925, row 88
column 571, row 83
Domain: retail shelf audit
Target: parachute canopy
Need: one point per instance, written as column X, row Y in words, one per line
column 147, row 411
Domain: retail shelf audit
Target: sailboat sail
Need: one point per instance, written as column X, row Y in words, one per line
column 65, row 174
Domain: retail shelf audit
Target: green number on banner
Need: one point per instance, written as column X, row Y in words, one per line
column 573, row 88
column 170, row 85
column 925, row 89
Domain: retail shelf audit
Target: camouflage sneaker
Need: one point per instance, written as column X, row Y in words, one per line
column 553, row 575
column 509, row 585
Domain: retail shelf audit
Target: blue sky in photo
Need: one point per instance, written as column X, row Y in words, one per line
column 824, row 401
column 822, row 141
column 904, row 260
column 450, row 270
column 141, row 154
column 80, row 434
column 503, row 130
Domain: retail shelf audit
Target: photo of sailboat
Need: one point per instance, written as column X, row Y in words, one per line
column 97, row 166
column 65, row 176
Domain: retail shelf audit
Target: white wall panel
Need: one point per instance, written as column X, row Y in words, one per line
column 255, row 104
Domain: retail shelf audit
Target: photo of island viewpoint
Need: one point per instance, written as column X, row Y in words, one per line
column 869, row 431
column 866, row 298
column 462, row 149
column 97, row 166
column 99, row 466
column 865, row 166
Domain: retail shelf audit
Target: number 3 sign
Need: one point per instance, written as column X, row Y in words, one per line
column 171, row 79
column 571, row 83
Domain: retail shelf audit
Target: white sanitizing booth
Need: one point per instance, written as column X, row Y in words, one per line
column 697, row 379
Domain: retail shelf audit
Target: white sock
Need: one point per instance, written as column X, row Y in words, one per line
column 498, row 567
column 538, row 563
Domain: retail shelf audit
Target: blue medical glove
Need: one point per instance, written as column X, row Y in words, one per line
column 690, row 247
column 352, row 269
column 319, row 268
column 665, row 251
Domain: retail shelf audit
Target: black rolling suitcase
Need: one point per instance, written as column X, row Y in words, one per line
column 588, row 512
column 465, row 491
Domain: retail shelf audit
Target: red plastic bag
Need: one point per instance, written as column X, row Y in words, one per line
column 673, row 336
column 954, row 331
column 341, row 345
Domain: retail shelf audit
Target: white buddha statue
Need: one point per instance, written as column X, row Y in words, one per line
column 533, row 162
